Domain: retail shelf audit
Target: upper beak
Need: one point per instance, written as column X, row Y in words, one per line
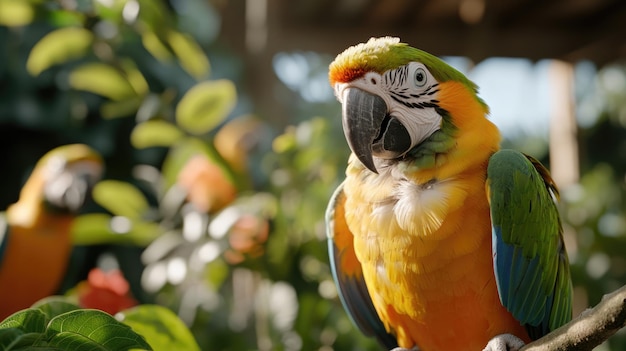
column 363, row 114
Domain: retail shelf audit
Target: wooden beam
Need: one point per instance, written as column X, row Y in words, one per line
column 532, row 43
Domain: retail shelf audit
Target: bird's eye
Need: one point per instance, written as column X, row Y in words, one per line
column 420, row 77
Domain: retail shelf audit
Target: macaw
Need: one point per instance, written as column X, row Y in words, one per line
column 35, row 232
column 439, row 239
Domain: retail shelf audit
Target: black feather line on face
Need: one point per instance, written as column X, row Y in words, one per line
column 400, row 96
column 404, row 71
column 402, row 99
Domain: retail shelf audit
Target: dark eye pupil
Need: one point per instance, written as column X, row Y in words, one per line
column 419, row 76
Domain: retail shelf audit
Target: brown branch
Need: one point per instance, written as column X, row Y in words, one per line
column 588, row 330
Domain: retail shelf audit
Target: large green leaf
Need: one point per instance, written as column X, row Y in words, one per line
column 120, row 198
column 92, row 330
column 57, row 47
column 53, row 306
column 155, row 133
column 102, row 79
column 28, row 320
column 206, row 105
column 160, row 326
column 55, row 324
column 8, row 337
column 13, row 339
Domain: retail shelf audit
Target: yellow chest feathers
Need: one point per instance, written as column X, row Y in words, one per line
column 417, row 237
column 392, row 215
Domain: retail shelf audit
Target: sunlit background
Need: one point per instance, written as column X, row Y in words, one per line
column 223, row 142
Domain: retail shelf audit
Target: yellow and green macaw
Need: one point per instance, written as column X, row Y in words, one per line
column 438, row 239
column 35, row 232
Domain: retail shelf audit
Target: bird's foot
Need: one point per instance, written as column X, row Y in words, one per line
column 504, row 342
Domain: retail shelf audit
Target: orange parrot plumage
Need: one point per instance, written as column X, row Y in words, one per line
column 35, row 238
column 438, row 239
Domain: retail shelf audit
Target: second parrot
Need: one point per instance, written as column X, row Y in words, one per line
column 35, row 232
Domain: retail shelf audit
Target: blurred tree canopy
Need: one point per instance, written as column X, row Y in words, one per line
column 209, row 210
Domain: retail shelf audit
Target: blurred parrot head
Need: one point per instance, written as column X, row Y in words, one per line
column 395, row 98
column 61, row 180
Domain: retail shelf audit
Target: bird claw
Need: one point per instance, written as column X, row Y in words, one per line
column 414, row 348
column 504, row 342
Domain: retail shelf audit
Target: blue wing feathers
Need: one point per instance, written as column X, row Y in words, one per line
column 352, row 288
column 517, row 283
column 357, row 302
column 533, row 303
column 502, row 261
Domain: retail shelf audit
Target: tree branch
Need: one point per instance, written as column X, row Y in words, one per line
column 588, row 330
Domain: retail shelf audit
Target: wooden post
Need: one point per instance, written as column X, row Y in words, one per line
column 564, row 163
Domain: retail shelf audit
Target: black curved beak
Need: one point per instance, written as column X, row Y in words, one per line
column 363, row 114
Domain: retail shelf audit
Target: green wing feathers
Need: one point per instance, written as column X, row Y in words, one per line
column 530, row 263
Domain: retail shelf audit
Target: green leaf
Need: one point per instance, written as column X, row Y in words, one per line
column 77, row 342
column 160, row 326
column 30, row 320
column 154, row 133
column 15, row 13
column 101, row 228
column 14, row 339
column 57, row 47
column 53, row 306
column 102, row 79
column 206, row 105
column 121, row 108
column 63, row 18
column 189, row 53
column 92, row 330
column 134, row 76
column 120, row 198
column 153, row 44
column 8, row 337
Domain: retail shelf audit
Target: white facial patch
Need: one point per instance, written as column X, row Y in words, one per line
column 408, row 92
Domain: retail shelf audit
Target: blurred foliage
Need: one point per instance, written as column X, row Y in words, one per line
column 594, row 210
column 203, row 211
column 208, row 211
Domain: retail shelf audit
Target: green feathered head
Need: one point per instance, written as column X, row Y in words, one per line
column 382, row 54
